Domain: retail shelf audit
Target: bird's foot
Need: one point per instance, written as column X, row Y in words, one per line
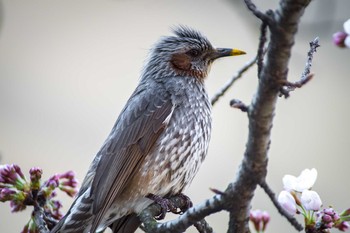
column 188, row 203
column 165, row 204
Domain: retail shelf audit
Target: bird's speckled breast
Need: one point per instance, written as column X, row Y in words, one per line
column 183, row 145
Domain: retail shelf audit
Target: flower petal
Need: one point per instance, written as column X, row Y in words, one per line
column 347, row 26
column 289, row 182
column 306, row 180
column 347, row 41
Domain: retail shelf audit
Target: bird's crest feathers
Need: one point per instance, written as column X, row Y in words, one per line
column 187, row 32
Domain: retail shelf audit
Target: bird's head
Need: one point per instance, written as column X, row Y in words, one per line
column 188, row 53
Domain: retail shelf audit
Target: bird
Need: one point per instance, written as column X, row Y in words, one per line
column 158, row 142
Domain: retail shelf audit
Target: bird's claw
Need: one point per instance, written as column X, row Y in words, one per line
column 188, row 202
column 165, row 205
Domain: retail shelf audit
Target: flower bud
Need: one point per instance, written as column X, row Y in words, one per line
column 255, row 216
column 18, row 171
column 35, row 176
column 339, row 38
column 68, row 175
column 6, row 194
column 265, row 219
column 327, row 218
column 329, row 211
column 343, row 226
column 52, row 182
column 8, row 174
column 68, row 190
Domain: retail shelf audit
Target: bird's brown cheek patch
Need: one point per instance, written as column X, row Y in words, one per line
column 181, row 61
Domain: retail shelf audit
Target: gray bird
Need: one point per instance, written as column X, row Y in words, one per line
column 158, row 142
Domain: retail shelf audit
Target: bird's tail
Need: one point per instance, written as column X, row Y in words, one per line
column 78, row 218
column 126, row 224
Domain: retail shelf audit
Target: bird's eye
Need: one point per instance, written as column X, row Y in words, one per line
column 193, row 52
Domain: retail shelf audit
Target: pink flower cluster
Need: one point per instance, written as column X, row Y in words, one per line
column 342, row 38
column 15, row 188
column 260, row 219
column 328, row 218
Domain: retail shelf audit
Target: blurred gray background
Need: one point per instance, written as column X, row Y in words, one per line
column 68, row 67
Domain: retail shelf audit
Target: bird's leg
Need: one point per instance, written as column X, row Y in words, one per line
column 164, row 203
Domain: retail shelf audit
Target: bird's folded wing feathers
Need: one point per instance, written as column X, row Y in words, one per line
column 135, row 132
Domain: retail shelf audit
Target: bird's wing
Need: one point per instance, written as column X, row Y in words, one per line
column 138, row 127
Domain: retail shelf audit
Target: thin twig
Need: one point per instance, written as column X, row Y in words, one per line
column 310, row 55
column 233, row 79
column 306, row 76
column 284, row 213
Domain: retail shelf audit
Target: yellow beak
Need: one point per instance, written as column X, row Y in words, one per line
column 223, row 52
